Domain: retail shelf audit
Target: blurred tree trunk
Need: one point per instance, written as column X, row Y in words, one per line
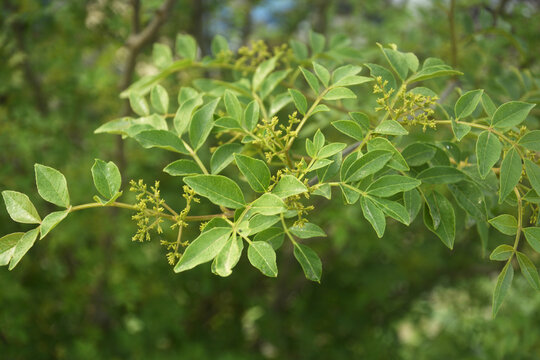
column 197, row 28
column 320, row 22
column 135, row 43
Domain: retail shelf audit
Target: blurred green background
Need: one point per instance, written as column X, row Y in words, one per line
column 88, row 292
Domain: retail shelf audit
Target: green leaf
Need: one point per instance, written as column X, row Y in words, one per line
column 186, row 46
column 510, row 173
column 228, row 256
column 234, row 109
column 182, row 118
column 460, row 130
column 218, row 189
column 318, row 140
column 255, row 171
column 219, row 45
column 279, row 102
column 324, row 190
column 309, row 230
column 186, row 93
column 23, row 245
column 262, row 71
column 441, row 175
column 350, row 194
column 223, row 156
column 422, row 90
column 412, row 61
column 228, row 123
column 51, row 185
column 482, row 229
column 347, row 163
column 316, row 41
column 488, row 105
column 488, row 152
column 260, row 223
column 531, row 140
column 413, row 203
column 116, row 126
column 362, row 120
column 386, row 75
column 160, row 99
column 262, row 256
column 330, row 150
column 349, row 128
column 533, row 174
column 353, row 80
column 162, row 56
column 204, row 248
column 329, row 171
column 393, row 209
column 446, row 230
column 418, row 153
column 50, row 221
column 320, row 163
column 8, row 242
column 152, row 122
column 374, row 215
column 215, row 223
column 299, row 49
column 268, row 204
column 532, row 196
column 501, row 253
column 433, row 72
column 389, row 185
column 309, row 260
column 345, row 71
column 5, row 256
column 390, row 127
column 20, row 208
column 528, row 270
column 202, row 123
column 467, row 103
column 251, row 115
column 450, row 150
column 339, row 93
column 182, row 168
column 310, row 148
column 274, row 236
column 289, row 185
column 107, row 178
column 138, row 104
column 397, row 161
column 433, row 208
column 322, row 73
column 161, row 139
column 470, row 198
column 368, row 164
column 272, row 81
column 311, row 80
column 532, row 234
column 511, row 114
column 397, row 61
column 299, row 101
column 504, row 280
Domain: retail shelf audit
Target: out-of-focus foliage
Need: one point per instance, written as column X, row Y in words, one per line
column 88, row 292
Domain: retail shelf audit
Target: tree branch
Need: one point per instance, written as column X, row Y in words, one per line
column 138, row 39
